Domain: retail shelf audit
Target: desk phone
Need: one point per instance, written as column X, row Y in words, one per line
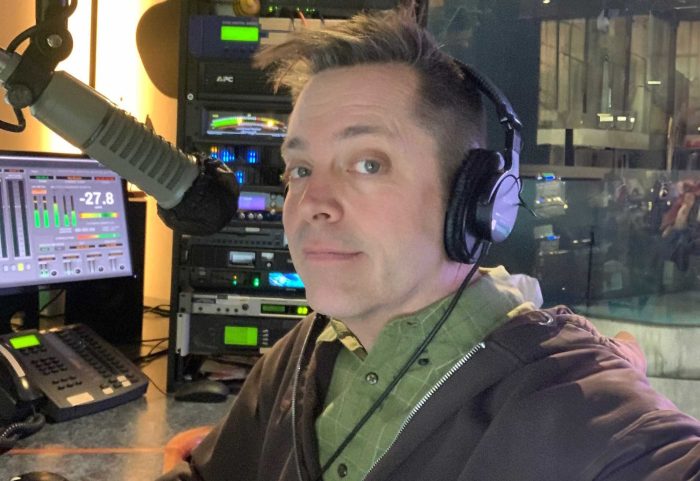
column 65, row 372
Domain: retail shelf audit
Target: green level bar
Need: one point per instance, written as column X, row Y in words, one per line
column 47, row 223
column 225, row 122
column 37, row 219
column 56, row 215
column 73, row 219
column 66, row 220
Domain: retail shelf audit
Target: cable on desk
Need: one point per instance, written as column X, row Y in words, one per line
column 153, row 383
column 144, row 361
column 18, row 430
column 151, row 355
column 157, row 339
column 52, row 300
column 162, row 310
column 153, row 348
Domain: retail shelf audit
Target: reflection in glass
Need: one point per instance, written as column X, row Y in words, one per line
column 610, row 101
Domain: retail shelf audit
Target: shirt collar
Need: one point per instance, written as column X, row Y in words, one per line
column 484, row 305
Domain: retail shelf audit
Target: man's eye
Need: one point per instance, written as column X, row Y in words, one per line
column 367, row 166
column 298, row 172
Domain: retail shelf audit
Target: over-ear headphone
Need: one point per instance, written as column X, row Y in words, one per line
column 485, row 194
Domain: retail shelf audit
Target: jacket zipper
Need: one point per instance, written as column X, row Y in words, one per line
column 295, row 385
column 425, row 399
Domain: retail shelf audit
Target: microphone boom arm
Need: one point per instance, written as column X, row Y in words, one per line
column 195, row 195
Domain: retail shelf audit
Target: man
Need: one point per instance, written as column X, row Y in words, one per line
column 370, row 388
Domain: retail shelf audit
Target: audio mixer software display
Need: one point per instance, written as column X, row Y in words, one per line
column 62, row 219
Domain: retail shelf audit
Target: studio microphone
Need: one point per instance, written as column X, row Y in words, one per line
column 195, row 195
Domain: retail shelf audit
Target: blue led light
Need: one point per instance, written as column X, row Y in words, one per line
column 240, row 177
column 227, row 155
column 252, row 156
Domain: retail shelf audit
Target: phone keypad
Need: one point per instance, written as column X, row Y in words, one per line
column 114, row 372
column 49, row 365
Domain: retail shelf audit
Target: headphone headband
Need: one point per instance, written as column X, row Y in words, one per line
column 506, row 115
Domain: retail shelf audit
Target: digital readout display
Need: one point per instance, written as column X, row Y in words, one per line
column 241, row 336
column 289, row 280
column 23, row 342
column 251, row 201
column 240, row 33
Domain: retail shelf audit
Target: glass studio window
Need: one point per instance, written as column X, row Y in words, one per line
column 609, row 93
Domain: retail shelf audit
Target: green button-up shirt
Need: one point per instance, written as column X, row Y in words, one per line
column 359, row 377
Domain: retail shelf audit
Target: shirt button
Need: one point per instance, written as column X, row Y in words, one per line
column 372, row 378
column 342, row 470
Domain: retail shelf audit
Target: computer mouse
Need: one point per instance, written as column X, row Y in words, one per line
column 39, row 476
column 202, row 391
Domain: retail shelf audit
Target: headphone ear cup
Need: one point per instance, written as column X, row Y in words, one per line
column 474, row 179
column 456, row 212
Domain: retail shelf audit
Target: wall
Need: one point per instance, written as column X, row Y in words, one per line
column 673, row 360
column 120, row 76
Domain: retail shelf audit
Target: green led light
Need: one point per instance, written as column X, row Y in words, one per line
column 302, row 310
column 256, row 282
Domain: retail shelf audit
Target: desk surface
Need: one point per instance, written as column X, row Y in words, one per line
column 123, row 443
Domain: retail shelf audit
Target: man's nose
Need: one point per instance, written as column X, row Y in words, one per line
column 320, row 199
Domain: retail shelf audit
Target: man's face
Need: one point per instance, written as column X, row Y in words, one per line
column 364, row 213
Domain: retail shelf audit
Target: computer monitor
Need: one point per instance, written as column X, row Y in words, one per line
column 62, row 220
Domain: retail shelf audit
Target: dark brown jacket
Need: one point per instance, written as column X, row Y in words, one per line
column 546, row 398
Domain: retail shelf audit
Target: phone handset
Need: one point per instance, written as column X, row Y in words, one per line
column 23, row 387
column 18, row 417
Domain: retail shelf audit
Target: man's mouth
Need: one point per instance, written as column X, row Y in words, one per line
column 323, row 253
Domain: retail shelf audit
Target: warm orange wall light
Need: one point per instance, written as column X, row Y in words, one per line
column 77, row 64
column 118, row 73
